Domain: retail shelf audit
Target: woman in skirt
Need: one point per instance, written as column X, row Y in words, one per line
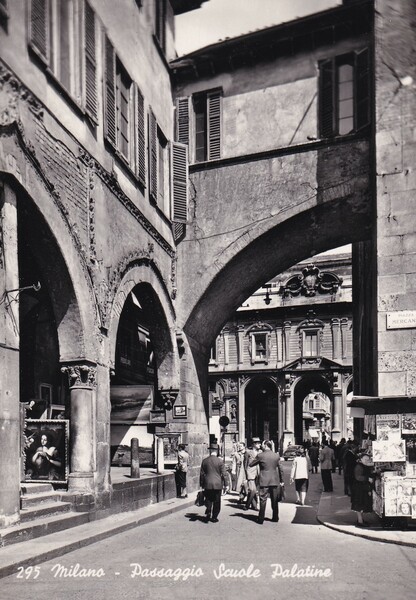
column 361, row 494
column 300, row 475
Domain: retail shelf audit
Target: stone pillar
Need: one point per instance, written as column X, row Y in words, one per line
column 344, row 341
column 226, row 334
column 289, row 417
column 241, row 411
column 9, row 361
column 240, row 344
column 286, row 340
column 337, row 408
column 82, row 384
column 160, row 459
column 336, row 339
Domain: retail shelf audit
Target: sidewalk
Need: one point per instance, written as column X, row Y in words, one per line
column 335, row 512
column 33, row 552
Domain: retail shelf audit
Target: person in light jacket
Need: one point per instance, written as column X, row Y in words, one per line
column 300, row 475
column 326, row 457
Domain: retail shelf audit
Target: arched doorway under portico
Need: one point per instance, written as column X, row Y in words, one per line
column 261, row 409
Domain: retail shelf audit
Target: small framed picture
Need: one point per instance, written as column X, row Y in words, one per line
column 56, row 411
column 45, row 393
column 46, row 450
column 180, row 411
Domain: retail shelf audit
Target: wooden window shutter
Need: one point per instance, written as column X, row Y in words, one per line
column 110, row 93
column 182, row 120
column 362, row 89
column 153, row 155
column 140, row 141
column 326, row 98
column 179, row 187
column 39, row 27
column 214, row 125
column 90, row 63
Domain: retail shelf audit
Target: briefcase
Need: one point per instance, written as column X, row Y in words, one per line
column 200, row 498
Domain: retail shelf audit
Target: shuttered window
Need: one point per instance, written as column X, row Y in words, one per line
column 39, row 27
column 62, row 34
column 153, row 156
column 140, row 140
column 182, row 120
column 110, row 93
column 214, row 125
column 207, row 125
column 90, row 82
column 344, row 94
column 179, row 170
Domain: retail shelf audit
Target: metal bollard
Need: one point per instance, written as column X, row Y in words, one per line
column 135, row 462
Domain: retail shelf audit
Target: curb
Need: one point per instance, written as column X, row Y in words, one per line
column 64, row 548
column 373, row 538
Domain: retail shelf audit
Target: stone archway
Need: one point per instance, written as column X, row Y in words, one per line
column 261, row 409
column 315, row 387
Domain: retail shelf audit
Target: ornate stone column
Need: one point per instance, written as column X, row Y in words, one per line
column 241, row 408
column 344, row 344
column 289, row 417
column 240, row 344
column 286, row 340
column 82, row 377
column 336, row 339
column 9, row 360
column 337, row 407
column 226, row 338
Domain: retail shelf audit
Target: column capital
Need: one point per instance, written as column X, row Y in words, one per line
column 82, row 374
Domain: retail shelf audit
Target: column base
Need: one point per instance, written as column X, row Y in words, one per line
column 81, row 482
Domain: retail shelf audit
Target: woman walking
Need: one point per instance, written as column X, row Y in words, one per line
column 300, row 475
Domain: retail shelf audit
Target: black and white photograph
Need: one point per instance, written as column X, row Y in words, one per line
column 207, row 299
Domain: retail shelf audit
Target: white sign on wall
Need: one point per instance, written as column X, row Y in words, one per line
column 401, row 319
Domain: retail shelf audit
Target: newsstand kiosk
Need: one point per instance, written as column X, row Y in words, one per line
column 390, row 423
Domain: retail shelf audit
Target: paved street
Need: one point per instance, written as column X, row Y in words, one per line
column 194, row 553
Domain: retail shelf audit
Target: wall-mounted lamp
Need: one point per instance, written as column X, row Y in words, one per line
column 267, row 299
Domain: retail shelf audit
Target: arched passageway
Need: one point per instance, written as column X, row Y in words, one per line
column 312, row 408
column 261, row 409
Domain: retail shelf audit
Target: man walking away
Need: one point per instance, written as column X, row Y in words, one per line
column 212, row 478
column 270, row 480
column 326, row 456
column 314, row 456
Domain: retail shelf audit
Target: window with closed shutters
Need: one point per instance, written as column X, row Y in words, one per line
column 344, row 94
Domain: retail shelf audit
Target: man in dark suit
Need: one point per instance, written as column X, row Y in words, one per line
column 270, row 480
column 212, row 477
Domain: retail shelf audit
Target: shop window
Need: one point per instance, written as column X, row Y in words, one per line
column 344, row 94
column 206, row 124
column 62, row 35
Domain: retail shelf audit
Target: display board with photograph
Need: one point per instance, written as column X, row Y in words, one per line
column 46, row 450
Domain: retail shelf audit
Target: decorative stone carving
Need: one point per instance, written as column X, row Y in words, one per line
column 111, row 181
column 81, row 375
column 11, row 92
column 310, row 282
column 168, row 397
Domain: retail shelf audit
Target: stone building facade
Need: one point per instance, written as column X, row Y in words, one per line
column 286, row 142
column 281, row 368
column 92, row 186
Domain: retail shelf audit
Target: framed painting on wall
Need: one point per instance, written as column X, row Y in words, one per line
column 46, row 450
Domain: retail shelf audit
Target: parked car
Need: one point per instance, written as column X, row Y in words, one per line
column 291, row 452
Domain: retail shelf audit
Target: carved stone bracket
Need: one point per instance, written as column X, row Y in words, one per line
column 82, row 375
column 311, row 281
